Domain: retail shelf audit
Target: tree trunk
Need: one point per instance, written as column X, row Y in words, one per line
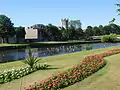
column 7, row 40
column 2, row 39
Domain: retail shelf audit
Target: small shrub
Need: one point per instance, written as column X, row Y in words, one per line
column 31, row 60
column 112, row 37
column 105, row 38
column 109, row 38
column 88, row 47
column 88, row 38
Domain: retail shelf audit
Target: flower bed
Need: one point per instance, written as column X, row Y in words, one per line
column 9, row 75
column 87, row 66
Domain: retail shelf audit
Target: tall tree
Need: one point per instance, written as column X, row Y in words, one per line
column 20, row 33
column 106, row 30
column 6, row 28
column 89, row 31
column 52, row 32
column 101, row 29
column 79, row 34
column 75, row 23
column 68, row 33
column 97, row 31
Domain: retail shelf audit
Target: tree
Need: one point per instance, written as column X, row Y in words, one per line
column 6, row 28
column 101, row 29
column 89, row 31
column 20, row 33
column 52, row 32
column 79, row 34
column 106, row 30
column 114, row 28
column 97, row 31
column 75, row 23
column 68, row 33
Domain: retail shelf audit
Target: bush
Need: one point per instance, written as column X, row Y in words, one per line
column 31, row 60
column 88, row 38
column 88, row 47
column 9, row 75
column 109, row 38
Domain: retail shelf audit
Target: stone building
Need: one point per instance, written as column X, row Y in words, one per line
column 34, row 33
column 65, row 23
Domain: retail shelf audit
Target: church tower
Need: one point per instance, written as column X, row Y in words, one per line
column 64, row 23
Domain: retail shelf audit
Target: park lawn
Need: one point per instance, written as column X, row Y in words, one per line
column 59, row 63
column 108, row 78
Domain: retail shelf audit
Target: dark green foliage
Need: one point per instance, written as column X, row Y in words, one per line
column 6, row 28
column 52, row 33
column 88, row 47
column 20, row 34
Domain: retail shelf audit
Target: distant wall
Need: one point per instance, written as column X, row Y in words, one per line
column 31, row 33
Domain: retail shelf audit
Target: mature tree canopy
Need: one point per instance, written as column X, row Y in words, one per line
column 75, row 23
column 6, row 27
column 20, row 32
column 52, row 32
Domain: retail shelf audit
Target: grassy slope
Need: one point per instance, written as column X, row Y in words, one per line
column 44, row 43
column 107, row 78
column 62, row 62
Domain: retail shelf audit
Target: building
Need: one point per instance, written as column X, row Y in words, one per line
column 34, row 33
column 65, row 23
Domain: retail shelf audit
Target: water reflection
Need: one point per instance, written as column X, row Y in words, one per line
column 18, row 54
column 12, row 55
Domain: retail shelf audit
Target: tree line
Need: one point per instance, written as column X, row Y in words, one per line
column 52, row 32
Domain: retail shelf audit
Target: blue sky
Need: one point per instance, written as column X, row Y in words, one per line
column 29, row 12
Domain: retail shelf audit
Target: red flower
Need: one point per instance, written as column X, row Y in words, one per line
column 41, row 89
column 49, row 85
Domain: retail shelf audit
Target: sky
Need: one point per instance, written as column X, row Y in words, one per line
column 30, row 12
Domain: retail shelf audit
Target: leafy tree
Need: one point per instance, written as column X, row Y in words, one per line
column 75, row 23
column 97, row 31
column 106, row 30
column 79, row 34
column 52, row 32
column 89, row 31
column 20, row 33
column 101, row 29
column 114, row 28
column 6, row 28
column 68, row 33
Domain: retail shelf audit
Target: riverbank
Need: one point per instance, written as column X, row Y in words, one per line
column 60, row 63
column 42, row 44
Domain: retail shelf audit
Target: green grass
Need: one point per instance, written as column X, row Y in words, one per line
column 5, row 44
column 107, row 78
column 60, row 63
column 44, row 43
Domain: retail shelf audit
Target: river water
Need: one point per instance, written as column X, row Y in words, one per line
column 18, row 54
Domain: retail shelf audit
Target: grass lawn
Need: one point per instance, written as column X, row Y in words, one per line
column 107, row 78
column 44, row 43
column 60, row 62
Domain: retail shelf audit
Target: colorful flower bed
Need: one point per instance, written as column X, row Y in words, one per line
column 9, row 75
column 87, row 66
